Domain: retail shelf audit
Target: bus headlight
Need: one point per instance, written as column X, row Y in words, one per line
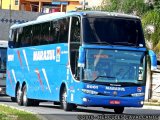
column 140, row 73
column 142, row 102
column 89, row 91
column 137, row 94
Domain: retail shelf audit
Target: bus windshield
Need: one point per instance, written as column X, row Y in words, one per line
column 114, row 66
column 3, row 55
column 113, row 31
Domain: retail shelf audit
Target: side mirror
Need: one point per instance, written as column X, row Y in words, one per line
column 81, row 58
column 153, row 59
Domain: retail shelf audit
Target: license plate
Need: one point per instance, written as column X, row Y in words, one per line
column 114, row 102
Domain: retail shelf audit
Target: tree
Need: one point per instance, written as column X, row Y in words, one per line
column 152, row 18
column 137, row 7
column 157, row 5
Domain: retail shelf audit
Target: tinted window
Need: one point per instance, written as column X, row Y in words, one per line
column 113, row 31
column 41, row 34
column 3, row 56
column 64, row 29
column 75, row 30
column 36, row 34
column 74, row 45
column 25, row 37
column 59, row 30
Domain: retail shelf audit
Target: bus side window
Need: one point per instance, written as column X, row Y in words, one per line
column 75, row 30
column 14, row 36
column 64, row 29
column 45, row 32
column 17, row 38
column 36, row 34
column 54, row 31
column 26, row 36
column 74, row 46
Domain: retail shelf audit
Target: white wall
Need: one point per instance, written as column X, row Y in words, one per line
column 93, row 3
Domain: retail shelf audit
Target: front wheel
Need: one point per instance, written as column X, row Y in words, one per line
column 13, row 99
column 35, row 102
column 64, row 105
column 119, row 110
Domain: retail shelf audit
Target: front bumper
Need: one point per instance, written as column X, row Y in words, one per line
column 110, row 101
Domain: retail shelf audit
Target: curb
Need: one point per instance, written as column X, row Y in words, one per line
column 151, row 107
column 152, row 103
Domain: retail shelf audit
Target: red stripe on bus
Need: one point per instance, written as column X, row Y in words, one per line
column 9, row 77
column 19, row 57
column 39, row 78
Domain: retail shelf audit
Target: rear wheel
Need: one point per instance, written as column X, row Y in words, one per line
column 26, row 100
column 13, row 99
column 35, row 103
column 56, row 103
column 119, row 110
column 64, row 105
column 19, row 96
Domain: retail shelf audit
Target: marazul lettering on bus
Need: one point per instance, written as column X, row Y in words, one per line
column 115, row 88
column 44, row 55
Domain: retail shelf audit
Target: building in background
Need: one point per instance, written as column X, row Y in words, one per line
column 89, row 4
column 94, row 3
column 10, row 4
column 45, row 6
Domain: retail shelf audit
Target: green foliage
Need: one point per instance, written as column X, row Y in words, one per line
column 157, row 5
column 114, row 5
column 137, row 7
column 7, row 113
column 153, row 18
column 110, row 5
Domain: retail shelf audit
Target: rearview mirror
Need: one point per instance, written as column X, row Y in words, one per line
column 81, row 58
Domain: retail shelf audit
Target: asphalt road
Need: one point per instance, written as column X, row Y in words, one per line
column 48, row 111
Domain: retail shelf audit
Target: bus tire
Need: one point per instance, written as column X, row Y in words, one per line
column 56, row 103
column 26, row 101
column 63, row 98
column 119, row 110
column 13, row 99
column 36, row 102
column 19, row 96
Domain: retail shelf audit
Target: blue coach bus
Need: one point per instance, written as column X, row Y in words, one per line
column 78, row 59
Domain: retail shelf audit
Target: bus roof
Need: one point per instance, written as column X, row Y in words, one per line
column 3, row 43
column 57, row 15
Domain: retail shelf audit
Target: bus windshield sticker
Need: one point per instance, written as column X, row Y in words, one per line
column 44, row 55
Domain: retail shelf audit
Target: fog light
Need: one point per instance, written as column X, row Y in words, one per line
column 85, row 100
column 142, row 102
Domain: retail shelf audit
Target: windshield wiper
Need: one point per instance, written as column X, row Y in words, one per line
column 102, row 77
column 125, row 43
column 130, row 84
column 102, row 43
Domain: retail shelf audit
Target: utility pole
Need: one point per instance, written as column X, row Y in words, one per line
column 10, row 14
column 84, row 3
